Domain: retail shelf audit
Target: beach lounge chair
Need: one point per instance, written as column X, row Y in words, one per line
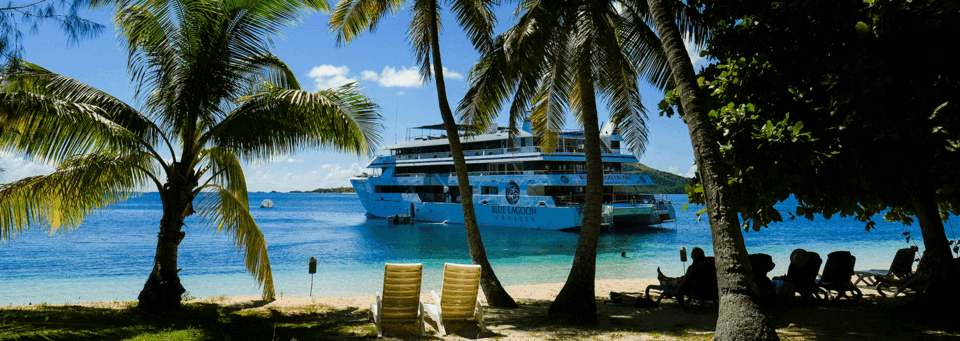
column 458, row 299
column 901, row 267
column 698, row 285
column 401, row 297
column 837, row 274
column 802, row 273
column 901, row 277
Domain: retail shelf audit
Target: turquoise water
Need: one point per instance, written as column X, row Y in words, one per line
column 110, row 255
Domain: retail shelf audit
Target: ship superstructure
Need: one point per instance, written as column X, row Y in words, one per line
column 516, row 185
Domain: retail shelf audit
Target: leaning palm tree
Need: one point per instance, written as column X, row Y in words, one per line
column 353, row 17
column 212, row 95
column 740, row 316
column 561, row 56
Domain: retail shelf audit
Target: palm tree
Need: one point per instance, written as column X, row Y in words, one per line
column 740, row 316
column 560, row 56
column 212, row 95
column 353, row 17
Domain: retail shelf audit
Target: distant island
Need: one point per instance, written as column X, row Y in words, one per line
column 329, row 190
column 663, row 182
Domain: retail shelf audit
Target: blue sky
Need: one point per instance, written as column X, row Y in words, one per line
column 382, row 63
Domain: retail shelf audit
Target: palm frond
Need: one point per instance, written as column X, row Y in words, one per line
column 490, row 84
column 477, row 18
column 641, row 45
column 62, row 199
column 425, row 16
column 353, row 17
column 280, row 122
column 27, row 77
column 231, row 214
column 53, row 130
column 225, row 172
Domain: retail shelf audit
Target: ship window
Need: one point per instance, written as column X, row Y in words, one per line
column 615, row 145
column 489, row 190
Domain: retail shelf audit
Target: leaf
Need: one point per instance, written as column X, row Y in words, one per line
column 862, row 29
column 796, row 128
column 684, row 207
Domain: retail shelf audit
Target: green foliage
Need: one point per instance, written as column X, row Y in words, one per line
column 842, row 114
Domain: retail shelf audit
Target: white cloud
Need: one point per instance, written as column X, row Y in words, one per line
column 340, row 177
column 405, row 78
column 368, row 75
column 292, row 160
column 694, row 53
column 16, row 168
column 285, row 176
column 401, row 93
column 692, row 171
column 451, row 74
column 674, row 170
column 329, row 76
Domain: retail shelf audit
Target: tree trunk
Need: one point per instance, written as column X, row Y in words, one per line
column 577, row 303
column 740, row 316
column 163, row 290
column 939, row 268
column 492, row 289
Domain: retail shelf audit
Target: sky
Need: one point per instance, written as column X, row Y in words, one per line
column 381, row 61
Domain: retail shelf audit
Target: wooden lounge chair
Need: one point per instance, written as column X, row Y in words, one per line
column 401, row 297
column 458, row 299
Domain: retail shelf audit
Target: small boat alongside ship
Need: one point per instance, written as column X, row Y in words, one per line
column 516, row 187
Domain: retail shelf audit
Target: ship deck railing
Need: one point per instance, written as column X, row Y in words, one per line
column 486, row 173
column 490, row 152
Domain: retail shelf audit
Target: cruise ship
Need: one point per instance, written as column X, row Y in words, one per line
column 520, row 186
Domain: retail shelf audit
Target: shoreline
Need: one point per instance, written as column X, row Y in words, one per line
column 545, row 291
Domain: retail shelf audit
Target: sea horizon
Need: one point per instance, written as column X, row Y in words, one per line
column 109, row 257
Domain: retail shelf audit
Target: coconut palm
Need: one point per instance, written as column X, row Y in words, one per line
column 353, row 17
column 212, row 95
column 740, row 316
column 560, row 56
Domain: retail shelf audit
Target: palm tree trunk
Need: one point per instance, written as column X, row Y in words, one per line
column 163, row 290
column 576, row 303
column 740, row 316
column 496, row 295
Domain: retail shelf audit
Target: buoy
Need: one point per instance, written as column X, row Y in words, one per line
column 266, row 203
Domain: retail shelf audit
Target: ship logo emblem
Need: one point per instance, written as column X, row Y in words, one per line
column 513, row 193
column 564, row 179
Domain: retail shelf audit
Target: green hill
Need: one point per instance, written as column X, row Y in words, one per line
column 329, row 190
column 663, row 182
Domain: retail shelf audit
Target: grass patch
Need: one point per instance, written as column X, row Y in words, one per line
column 195, row 321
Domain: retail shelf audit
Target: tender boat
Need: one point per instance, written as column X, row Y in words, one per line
column 518, row 187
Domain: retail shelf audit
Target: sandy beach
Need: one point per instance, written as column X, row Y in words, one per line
column 872, row 318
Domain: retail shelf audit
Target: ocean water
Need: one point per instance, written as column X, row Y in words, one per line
column 110, row 256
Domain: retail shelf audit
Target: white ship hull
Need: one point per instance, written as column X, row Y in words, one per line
column 518, row 186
